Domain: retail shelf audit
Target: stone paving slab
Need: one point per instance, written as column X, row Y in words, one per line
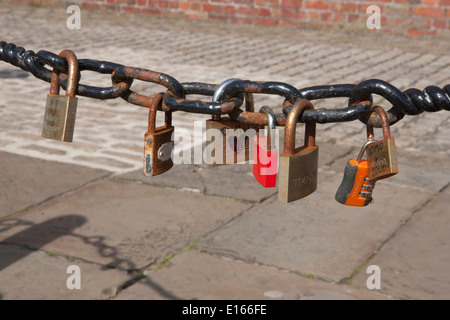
column 127, row 224
column 414, row 263
column 27, row 181
column 35, row 275
column 316, row 235
column 193, row 275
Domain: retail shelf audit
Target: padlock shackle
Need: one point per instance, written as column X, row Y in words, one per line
column 73, row 76
column 249, row 102
column 156, row 102
column 218, row 95
column 363, row 149
column 384, row 123
column 271, row 118
column 271, row 123
column 219, row 91
column 291, row 123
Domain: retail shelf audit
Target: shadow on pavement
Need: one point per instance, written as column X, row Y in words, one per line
column 36, row 236
column 160, row 290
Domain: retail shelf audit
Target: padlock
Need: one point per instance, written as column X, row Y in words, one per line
column 356, row 188
column 265, row 153
column 381, row 155
column 234, row 134
column 234, row 143
column 60, row 111
column 298, row 166
column 158, row 141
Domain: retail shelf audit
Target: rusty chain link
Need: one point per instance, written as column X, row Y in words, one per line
column 409, row 102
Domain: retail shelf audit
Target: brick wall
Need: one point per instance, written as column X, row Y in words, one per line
column 411, row 17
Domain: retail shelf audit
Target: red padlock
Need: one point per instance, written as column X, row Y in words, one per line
column 265, row 153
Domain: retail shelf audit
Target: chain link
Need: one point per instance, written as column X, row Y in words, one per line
column 409, row 102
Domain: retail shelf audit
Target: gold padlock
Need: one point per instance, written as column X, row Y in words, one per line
column 158, row 143
column 60, row 111
column 298, row 167
column 381, row 155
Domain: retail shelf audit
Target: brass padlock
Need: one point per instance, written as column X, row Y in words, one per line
column 234, row 134
column 60, row 111
column 381, row 155
column 298, row 167
column 158, row 144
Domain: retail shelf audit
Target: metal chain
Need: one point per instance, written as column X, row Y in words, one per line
column 408, row 102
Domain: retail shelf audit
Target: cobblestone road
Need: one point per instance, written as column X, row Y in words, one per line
column 109, row 134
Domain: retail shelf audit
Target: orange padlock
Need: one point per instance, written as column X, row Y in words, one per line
column 356, row 188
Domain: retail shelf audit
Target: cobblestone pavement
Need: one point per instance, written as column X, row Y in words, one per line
column 97, row 202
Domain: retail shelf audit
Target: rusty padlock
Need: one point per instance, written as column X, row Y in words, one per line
column 60, row 111
column 265, row 153
column 356, row 188
column 298, row 166
column 234, row 134
column 381, row 155
column 158, row 143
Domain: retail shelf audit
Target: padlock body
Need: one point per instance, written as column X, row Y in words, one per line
column 158, row 148
column 355, row 189
column 298, row 174
column 234, row 143
column 382, row 159
column 265, row 162
column 59, row 118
